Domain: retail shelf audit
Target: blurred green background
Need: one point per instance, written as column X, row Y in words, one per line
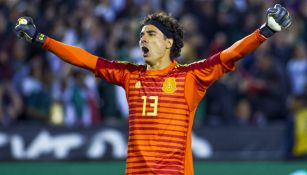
column 118, row 168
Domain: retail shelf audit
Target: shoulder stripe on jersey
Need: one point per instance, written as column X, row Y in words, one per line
column 202, row 64
column 103, row 63
column 176, row 74
column 148, row 79
column 155, row 90
column 154, row 84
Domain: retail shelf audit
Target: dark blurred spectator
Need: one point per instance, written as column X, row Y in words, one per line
column 36, row 91
column 6, row 72
column 218, row 43
column 302, row 5
column 193, row 40
column 265, row 87
column 10, row 104
column 108, row 105
column 205, row 12
column 81, row 102
column 219, row 107
column 19, row 64
column 297, row 69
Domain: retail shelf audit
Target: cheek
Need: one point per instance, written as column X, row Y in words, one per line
column 160, row 46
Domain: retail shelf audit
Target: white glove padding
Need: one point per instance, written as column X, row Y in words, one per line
column 278, row 18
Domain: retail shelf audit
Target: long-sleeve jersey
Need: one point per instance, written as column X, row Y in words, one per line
column 162, row 103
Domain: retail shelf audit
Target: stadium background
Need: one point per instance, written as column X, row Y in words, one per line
column 255, row 119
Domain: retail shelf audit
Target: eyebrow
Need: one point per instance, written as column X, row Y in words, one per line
column 149, row 31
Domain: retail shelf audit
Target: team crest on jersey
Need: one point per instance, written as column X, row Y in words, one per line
column 169, row 85
column 138, row 85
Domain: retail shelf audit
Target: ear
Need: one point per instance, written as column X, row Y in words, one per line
column 169, row 43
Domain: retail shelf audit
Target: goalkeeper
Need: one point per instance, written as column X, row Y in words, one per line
column 162, row 94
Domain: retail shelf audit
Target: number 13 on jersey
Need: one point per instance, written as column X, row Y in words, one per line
column 153, row 103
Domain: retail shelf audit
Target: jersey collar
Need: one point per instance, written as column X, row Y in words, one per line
column 162, row 71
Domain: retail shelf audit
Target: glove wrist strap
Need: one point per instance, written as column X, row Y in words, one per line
column 39, row 39
column 266, row 31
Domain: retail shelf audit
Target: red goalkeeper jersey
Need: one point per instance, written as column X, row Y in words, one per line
column 162, row 103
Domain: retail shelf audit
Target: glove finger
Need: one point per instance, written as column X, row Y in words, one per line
column 18, row 28
column 287, row 22
column 30, row 20
column 21, row 21
column 287, row 12
column 285, row 17
column 282, row 14
column 277, row 6
column 271, row 11
column 19, row 32
column 276, row 13
column 25, row 20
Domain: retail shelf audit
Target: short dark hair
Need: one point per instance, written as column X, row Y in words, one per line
column 172, row 25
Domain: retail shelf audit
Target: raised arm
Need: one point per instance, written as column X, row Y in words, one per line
column 277, row 18
column 71, row 54
column 242, row 47
column 25, row 29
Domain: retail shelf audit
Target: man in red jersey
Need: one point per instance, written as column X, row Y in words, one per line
column 162, row 95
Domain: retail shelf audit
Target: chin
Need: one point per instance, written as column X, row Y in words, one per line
column 147, row 61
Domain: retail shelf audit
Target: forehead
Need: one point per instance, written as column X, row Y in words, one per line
column 150, row 27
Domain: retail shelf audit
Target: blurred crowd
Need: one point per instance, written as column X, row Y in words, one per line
column 37, row 87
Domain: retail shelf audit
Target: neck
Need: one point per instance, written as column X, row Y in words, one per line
column 162, row 64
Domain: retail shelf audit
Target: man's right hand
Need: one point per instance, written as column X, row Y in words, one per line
column 26, row 30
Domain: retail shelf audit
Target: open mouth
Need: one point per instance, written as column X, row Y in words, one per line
column 145, row 51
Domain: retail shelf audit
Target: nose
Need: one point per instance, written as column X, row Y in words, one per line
column 143, row 40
